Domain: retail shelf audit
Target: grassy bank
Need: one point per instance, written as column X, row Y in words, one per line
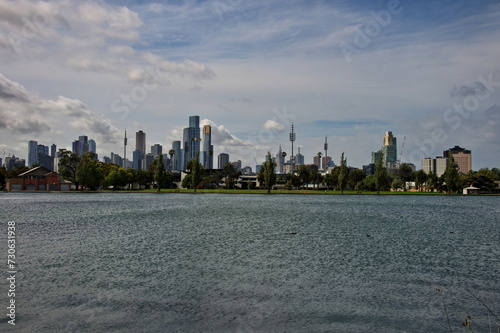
column 313, row 192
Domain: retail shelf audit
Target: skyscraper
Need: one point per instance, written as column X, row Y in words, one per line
column 92, row 146
column 299, row 158
column 32, row 153
column 83, row 145
column 137, row 160
column 140, row 145
column 208, row 148
column 177, row 157
column 223, row 160
column 191, row 139
column 156, row 150
column 280, row 161
column 53, row 150
column 390, row 151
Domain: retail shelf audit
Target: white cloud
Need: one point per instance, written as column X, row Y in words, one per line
column 274, row 126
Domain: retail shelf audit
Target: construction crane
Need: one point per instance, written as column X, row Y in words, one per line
column 402, row 148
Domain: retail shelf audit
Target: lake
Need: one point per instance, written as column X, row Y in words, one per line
column 143, row 262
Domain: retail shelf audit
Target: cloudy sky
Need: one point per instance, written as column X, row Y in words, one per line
column 429, row 71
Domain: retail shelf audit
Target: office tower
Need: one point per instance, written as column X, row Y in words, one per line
column 137, row 160
column 157, row 150
column 92, row 146
column 140, row 145
column 191, row 139
column 223, row 160
column 462, row 157
column 32, row 153
column 140, row 142
column 177, row 156
column 299, row 158
column 317, row 161
column 148, row 161
column 83, row 145
column 326, row 161
column 390, row 151
column 53, row 150
column 208, row 148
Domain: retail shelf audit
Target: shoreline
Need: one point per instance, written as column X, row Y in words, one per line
column 244, row 192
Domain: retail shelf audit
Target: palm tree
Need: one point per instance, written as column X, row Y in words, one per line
column 319, row 160
column 171, row 152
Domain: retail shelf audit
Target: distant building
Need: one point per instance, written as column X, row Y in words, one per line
column 222, row 160
column 326, row 162
column 92, row 146
column 462, row 157
column 246, row 170
column 369, row 169
column 317, row 162
column 237, row 165
column 299, row 158
column 390, row 151
column 177, row 157
column 53, row 150
column 148, row 161
column 191, row 138
column 13, row 163
column 137, row 160
column 208, row 148
column 280, row 160
column 156, row 150
column 140, row 145
column 32, row 153
column 436, row 165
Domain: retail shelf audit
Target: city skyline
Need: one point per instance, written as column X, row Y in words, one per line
column 346, row 70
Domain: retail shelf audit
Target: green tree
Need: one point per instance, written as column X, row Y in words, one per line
column 356, row 178
column 267, row 173
column 231, row 174
column 68, row 163
column 420, row 179
column 380, row 174
column 88, row 172
column 405, row 172
column 3, row 177
column 159, row 175
column 304, row 175
column 171, row 152
column 343, row 173
column 451, row 175
column 397, row 183
column 432, row 181
column 197, row 172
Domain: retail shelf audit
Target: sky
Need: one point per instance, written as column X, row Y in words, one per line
column 429, row 71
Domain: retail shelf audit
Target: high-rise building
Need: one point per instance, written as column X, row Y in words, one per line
column 148, row 161
column 317, row 161
column 157, row 150
column 223, row 160
column 32, row 153
column 208, row 148
column 177, row 157
column 326, row 161
column 299, row 158
column 191, row 139
column 462, row 157
column 390, row 151
column 92, row 146
column 137, row 160
column 53, row 150
column 83, row 145
column 140, row 145
column 140, row 142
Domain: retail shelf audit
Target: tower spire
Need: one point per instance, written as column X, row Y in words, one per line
column 125, row 150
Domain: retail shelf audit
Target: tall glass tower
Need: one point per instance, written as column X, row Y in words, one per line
column 208, row 148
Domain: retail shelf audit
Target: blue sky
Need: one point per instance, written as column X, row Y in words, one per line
column 351, row 70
